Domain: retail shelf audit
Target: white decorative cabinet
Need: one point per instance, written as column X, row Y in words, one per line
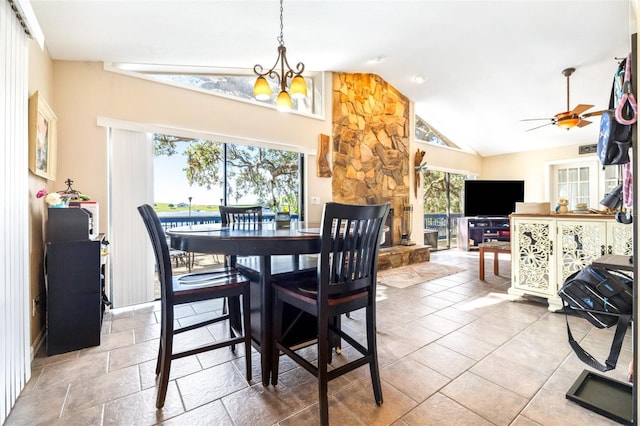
column 545, row 250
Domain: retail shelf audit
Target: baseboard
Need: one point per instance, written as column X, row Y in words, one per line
column 38, row 344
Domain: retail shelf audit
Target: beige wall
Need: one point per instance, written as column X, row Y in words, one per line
column 530, row 166
column 84, row 92
column 40, row 79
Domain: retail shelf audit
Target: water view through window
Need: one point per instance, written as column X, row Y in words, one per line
column 196, row 175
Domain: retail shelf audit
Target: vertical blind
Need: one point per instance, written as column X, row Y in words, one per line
column 15, row 354
column 130, row 184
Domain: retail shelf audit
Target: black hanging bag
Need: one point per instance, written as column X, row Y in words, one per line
column 604, row 298
column 614, row 139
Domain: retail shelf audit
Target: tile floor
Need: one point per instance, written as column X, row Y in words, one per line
column 453, row 351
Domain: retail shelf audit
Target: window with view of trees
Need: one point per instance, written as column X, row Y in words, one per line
column 443, row 194
column 426, row 133
column 224, row 173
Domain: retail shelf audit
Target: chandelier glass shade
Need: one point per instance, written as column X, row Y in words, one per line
column 261, row 89
column 297, row 88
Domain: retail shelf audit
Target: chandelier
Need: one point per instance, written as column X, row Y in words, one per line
column 298, row 87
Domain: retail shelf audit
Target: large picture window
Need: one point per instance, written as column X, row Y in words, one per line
column 199, row 175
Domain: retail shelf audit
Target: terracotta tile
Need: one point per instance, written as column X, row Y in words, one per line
column 450, row 351
column 445, row 361
column 440, row 410
column 133, row 321
column 111, row 341
column 103, row 388
column 515, row 377
column 259, row 405
column 338, row 415
column 565, row 411
column 482, row 397
column 415, row 335
column 413, row 379
column 438, row 324
column 179, row 368
column 467, row 345
column 132, row 355
column 359, row 399
column 203, row 416
column 74, row 371
column 210, row 384
column 140, row 408
column 40, row 407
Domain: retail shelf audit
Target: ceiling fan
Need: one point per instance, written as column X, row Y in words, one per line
column 570, row 118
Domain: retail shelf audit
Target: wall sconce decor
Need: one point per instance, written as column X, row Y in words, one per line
column 419, row 166
column 324, row 169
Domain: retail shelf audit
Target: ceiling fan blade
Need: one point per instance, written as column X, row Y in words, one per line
column 537, row 119
column 581, row 108
column 583, row 123
column 594, row 113
column 537, row 127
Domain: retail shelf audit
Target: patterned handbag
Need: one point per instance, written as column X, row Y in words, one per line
column 614, row 138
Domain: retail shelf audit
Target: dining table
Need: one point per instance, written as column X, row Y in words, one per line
column 265, row 251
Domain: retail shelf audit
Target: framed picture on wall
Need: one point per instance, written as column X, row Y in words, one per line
column 42, row 138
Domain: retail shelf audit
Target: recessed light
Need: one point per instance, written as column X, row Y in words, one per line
column 376, row 60
column 419, row 79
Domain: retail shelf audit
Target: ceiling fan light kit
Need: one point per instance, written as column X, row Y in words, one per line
column 570, row 118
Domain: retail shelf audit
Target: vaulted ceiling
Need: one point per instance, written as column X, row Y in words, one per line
column 486, row 64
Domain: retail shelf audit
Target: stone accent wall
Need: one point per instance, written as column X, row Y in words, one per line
column 370, row 143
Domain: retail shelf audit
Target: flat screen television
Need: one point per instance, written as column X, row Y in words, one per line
column 492, row 197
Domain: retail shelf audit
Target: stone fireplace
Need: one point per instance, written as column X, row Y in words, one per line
column 370, row 143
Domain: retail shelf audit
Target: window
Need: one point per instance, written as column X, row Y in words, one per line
column 573, row 185
column 426, row 133
column 201, row 174
column 232, row 83
column 582, row 182
column 442, row 204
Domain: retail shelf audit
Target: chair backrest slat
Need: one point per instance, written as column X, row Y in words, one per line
column 351, row 237
column 236, row 214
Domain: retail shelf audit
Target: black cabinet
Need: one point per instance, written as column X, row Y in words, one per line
column 476, row 230
column 74, row 277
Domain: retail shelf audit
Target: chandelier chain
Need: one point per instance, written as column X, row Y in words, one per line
column 281, row 37
column 298, row 89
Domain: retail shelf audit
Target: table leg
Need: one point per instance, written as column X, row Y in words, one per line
column 495, row 263
column 481, row 263
column 266, row 318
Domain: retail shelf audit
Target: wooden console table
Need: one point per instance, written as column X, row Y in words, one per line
column 494, row 247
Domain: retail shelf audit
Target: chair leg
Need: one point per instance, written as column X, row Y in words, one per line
column 373, row 350
column 158, row 361
column 165, row 365
column 234, row 317
column 278, row 306
column 247, row 332
column 160, row 348
column 336, row 341
column 324, row 349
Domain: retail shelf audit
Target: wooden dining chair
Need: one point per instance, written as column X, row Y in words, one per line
column 206, row 285
column 239, row 215
column 345, row 281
